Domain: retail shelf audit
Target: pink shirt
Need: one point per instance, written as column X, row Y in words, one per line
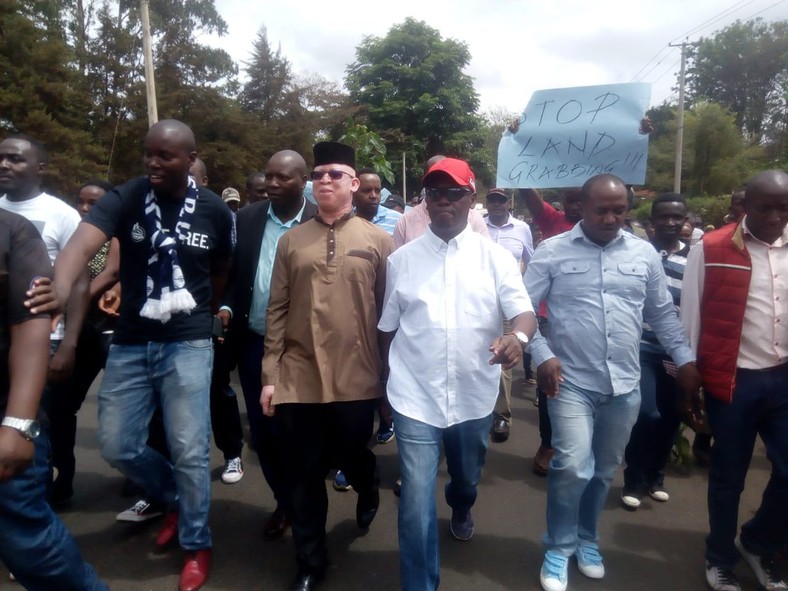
column 415, row 222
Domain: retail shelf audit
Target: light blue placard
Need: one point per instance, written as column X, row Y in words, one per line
column 568, row 135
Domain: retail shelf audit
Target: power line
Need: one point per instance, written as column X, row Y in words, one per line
column 670, row 69
column 716, row 18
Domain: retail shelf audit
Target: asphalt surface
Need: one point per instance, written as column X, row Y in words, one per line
column 658, row 547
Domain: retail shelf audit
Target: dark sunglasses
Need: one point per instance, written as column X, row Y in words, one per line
column 333, row 174
column 451, row 193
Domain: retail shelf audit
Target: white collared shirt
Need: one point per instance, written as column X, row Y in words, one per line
column 515, row 236
column 764, row 335
column 445, row 300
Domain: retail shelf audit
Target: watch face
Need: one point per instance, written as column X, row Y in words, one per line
column 34, row 430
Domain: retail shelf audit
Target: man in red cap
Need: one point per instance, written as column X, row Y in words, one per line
column 442, row 327
column 322, row 366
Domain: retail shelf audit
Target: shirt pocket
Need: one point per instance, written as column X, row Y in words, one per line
column 630, row 279
column 358, row 266
column 574, row 277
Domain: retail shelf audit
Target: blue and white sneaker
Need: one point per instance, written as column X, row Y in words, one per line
column 589, row 560
column 553, row 575
column 340, row 482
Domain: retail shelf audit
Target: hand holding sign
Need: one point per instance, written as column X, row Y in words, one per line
column 566, row 136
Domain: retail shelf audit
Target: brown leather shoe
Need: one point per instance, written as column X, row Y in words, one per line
column 542, row 460
column 276, row 526
column 169, row 531
column 196, row 569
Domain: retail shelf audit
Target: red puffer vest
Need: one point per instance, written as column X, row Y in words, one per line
column 727, row 270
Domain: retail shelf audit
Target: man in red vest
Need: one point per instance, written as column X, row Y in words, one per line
column 735, row 311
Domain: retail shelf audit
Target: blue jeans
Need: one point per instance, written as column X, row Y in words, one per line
column 419, row 446
column 759, row 407
column 654, row 432
column 590, row 432
column 176, row 375
column 34, row 543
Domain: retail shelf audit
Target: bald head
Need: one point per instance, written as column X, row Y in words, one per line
column 175, row 131
column 169, row 154
column 604, row 207
column 285, row 179
column 290, row 158
column 602, row 182
column 432, row 161
column 199, row 172
column 766, row 205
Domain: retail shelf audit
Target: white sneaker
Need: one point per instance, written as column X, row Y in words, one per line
column 630, row 498
column 553, row 575
column 764, row 568
column 233, row 471
column 589, row 560
column 659, row 494
column 721, row 579
column 142, row 510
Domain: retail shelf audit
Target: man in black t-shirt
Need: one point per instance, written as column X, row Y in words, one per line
column 34, row 543
column 175, row 248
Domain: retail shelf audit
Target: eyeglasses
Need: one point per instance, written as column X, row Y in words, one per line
column 451, row 193
column 333, row 174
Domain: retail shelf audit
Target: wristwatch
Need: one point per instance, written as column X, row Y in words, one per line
column 521, row 337
column 29, row 428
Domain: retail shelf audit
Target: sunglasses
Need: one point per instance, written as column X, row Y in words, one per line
column 333, row 174
column 451, row 193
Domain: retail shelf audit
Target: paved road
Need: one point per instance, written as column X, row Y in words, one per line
column 659, row 547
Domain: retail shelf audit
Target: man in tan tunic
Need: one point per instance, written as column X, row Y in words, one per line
column 322, row 367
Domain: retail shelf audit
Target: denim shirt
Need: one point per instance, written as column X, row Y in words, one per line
column 597, row 299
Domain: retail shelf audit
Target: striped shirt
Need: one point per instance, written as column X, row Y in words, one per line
column 386, row 219
column 673, row 264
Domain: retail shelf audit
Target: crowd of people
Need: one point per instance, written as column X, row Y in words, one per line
column 336, row 307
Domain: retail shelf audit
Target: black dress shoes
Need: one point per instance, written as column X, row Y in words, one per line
column 367, row 507
column 276, row 526
column 305, row 581
column 500, row 430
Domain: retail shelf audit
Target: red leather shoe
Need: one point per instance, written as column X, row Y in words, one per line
column 169, row 531
column 196, row 569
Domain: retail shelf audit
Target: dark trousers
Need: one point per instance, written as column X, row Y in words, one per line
column 759, row 407
column 314, row 439
column 66, row 398
column 545, row 427
column 654, row 433
column 263, row 429
column 225, row 417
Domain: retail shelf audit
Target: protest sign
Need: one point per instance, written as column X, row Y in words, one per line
column 568, row 135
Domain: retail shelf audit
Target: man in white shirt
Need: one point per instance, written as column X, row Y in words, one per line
column 23, row 163
column 733, row 306
column 515, row 236
column 441, row 321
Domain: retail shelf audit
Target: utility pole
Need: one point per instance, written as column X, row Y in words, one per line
column 150, row 84
column 404, row 180
column 680, row 127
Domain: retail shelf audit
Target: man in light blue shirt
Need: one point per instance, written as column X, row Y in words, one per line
column 260, row 226
column 515, row 236
column 600, row 284
column 367, row 201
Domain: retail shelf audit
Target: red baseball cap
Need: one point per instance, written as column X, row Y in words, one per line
column 457, row 170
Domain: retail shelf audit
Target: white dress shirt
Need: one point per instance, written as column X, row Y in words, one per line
column 764, row 335
column 445, row 300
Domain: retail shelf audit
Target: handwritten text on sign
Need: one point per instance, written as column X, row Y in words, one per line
column 568, row 135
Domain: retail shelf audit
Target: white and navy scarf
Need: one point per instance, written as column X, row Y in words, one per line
column 166, row 288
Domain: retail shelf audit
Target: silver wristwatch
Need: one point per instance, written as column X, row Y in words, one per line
column 521, row 337
column 29, row 428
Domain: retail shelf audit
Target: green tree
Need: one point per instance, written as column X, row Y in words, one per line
column 744, row 68
column 40, row 93
column 264, row 94
column 370, row 149
column 411, row 88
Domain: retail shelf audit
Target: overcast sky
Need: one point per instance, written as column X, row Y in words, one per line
column 517, row 46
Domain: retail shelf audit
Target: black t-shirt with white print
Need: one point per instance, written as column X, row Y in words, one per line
column 23, row 257
column 120, row 214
